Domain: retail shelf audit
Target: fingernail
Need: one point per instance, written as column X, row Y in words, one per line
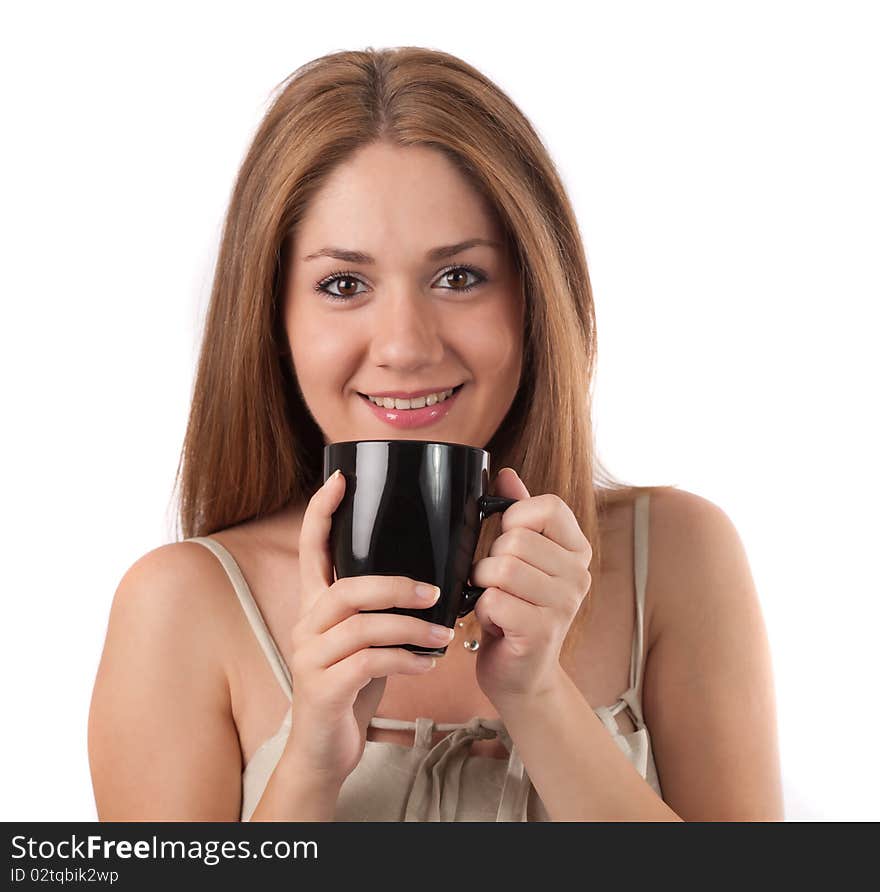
column 330, row 480
column 429, row 593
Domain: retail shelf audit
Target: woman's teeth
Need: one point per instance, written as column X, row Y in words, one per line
column 419, row 402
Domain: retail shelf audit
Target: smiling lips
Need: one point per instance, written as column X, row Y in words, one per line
column 417, row 416
column 413, row 401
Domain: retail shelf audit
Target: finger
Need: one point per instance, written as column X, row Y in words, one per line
column 486, row 624
column 536, row 550
column 513, row 616
column 509, row 573
column 351, row 594
column 549, row 515
column 356, row 671
column 378, row 629
column 316, row 565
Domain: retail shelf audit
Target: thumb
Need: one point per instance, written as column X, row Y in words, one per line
column 509, row 484
column 315, row 564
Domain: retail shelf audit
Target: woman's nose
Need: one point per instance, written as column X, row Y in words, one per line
column 405, row 331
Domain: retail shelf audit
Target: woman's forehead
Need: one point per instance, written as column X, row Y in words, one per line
column 414, row 189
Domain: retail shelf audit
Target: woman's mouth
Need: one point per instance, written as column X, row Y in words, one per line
column 411, row 418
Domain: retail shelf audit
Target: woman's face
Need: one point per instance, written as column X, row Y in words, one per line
column 401, row 322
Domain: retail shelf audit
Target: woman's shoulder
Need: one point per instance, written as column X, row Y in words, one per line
column 688, row 535
column 188, row 570
column 176, row 589
column 692, row 544
column 708, row 665
column 171, row 575
column 160, row 720
column 670, row 508
column 198, row 585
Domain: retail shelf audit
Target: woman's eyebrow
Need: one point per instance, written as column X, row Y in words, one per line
column 434, row 254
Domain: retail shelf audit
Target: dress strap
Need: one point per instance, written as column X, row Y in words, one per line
column 640, row 565
column 251, row 611
column 514, row 802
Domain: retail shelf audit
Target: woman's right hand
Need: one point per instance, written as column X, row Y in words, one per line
column 338, row 679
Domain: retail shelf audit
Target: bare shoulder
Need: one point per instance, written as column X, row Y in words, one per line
column 161, row 737
column 709, row 698
column 173, row 588
column 686, row 535
column 695, row 552
column 178, row 569
column 675, row 508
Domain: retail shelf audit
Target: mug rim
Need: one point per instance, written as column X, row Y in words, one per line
column 477, row 449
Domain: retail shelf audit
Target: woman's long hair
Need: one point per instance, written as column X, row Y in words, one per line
column 251, row 447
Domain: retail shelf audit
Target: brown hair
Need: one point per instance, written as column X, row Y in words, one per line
column 251, row 447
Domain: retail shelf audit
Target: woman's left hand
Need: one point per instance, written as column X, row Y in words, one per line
column 536, row 576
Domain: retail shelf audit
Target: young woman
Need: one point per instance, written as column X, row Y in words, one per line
column 397, row 231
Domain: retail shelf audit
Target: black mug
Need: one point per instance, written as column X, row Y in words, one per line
column 412, row 508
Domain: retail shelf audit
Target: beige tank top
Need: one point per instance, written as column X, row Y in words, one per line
column 444, row 781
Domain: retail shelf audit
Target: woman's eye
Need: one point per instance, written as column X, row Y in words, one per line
column 345, row 282
column 336, row 278
column 461, row 273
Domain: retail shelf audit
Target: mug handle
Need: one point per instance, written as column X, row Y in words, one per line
column 488, row 505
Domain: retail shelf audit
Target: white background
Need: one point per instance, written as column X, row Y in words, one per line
column 722, row 160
